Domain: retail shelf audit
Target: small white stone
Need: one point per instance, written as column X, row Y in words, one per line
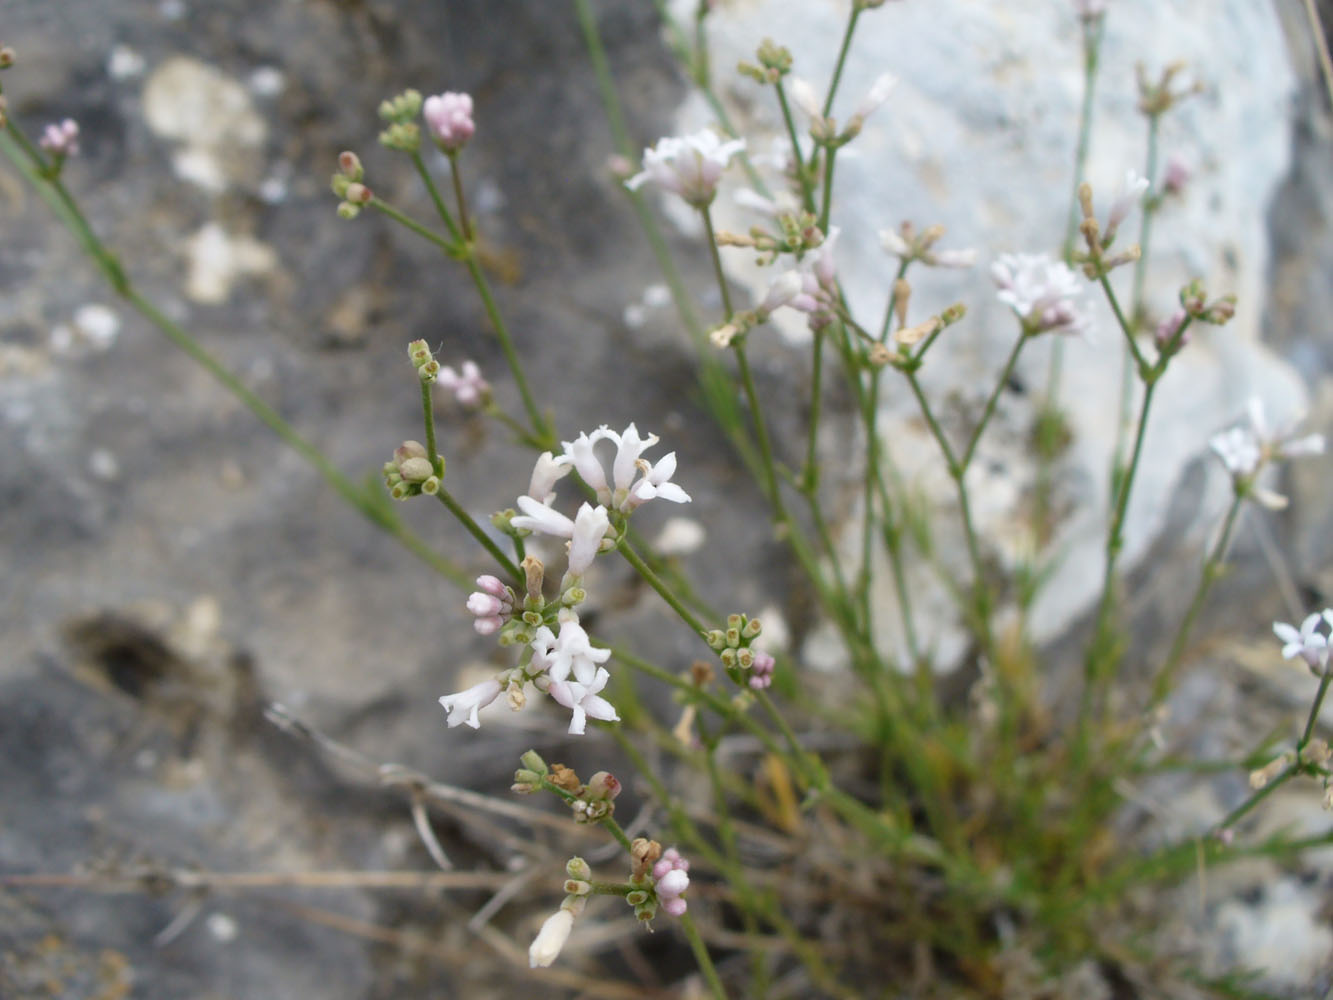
column 124, row 63
column 103, row 464
column 680, row 536
column 222, row 927
column 777, row 633
column 273, row 190
column 172, row 10
column 267, row 81
column 98, row 324
column 635, row 316
column 62, row 338
column 656, row 296
column 217, row 260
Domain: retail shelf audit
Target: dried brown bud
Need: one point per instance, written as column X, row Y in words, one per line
column 701, row 673
column 564, row 777
column 644, row 854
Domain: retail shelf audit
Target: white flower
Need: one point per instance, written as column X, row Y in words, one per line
column 879, row 93
column 690, row 166
column 542, row 519
column 584, row 700
column 550, row 939
column 1239, row 449
column 624, row 492
column 464, row 706
column 573, row 677
column 1244, row 450
column 548, row 471
column 1310, row 645
column 785, row 287
column 803, row 96
column 590, row 527
column 570, row 653
column 1040, row 291
column 1130, row 195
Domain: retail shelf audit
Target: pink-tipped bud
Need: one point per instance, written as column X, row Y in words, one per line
column 673, row 883
column 492, row 585
column 350, row 164
column 603, row 785
column 675, row 907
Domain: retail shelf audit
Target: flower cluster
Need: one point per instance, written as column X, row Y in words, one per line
column 745, row 665
column 448, row 118
column 61, row 139
column 400, row 113
column 410, row 472
column 562, row 661
column 1042, row 293
column 689, row 166
column 670, row 879
column 467, row 385
column 907, row 244
column 1247, row 448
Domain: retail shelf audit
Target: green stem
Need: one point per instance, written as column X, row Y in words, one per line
column 407, row 222
column 971, row 448
column 1212, row 569
column 701, row 956
column 483, row 539
column 541, row 429
column 1125, row 326
column 654, row 581
column 717, row 263
column 436, row 199
column 378, row 513
column 842, row 58
column 830, row 157
column 428, row 417
column 807, row 193
column 459, row 199
column 1314, row 710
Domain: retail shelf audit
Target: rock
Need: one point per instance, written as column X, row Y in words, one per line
column 988, row 153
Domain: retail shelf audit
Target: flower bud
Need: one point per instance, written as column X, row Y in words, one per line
column 603, row 785
column 532, row 760
column 350, row 165
column 6, row 57
column 416, row 470
column 577, row 887
column 578, row 868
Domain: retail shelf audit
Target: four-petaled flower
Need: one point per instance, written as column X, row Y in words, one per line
column 574, row 678
column 1307, row 642
column 690, row 166
column 61, row 139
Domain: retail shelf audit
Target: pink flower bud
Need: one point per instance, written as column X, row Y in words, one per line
column 675, row 907
column 673, row 883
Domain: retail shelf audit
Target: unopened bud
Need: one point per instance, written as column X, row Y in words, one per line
column 409, row 450
column 350, row 164
column 532, row 760
column 347, row 211
column 358, row 193
column 603, row 785
column 577, row 887
column 752, row 629
column 578, row 868
column 416, row 470
column 6, row 57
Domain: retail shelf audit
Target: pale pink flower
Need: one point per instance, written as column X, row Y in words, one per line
column 761, row 670
column 449, row 120
column 493, row 605
column 1129, row 197
column 785, row 287
column 671, row 880
column 467, row 385
column 464, row 706
column 61, row 139
column 1041, row 292
column 1166, row 331
column 1176, row 175
column 690, row 166
column 1244, row 450
column 1307, row 642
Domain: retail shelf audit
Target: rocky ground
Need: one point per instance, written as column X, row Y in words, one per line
column 170, row 567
